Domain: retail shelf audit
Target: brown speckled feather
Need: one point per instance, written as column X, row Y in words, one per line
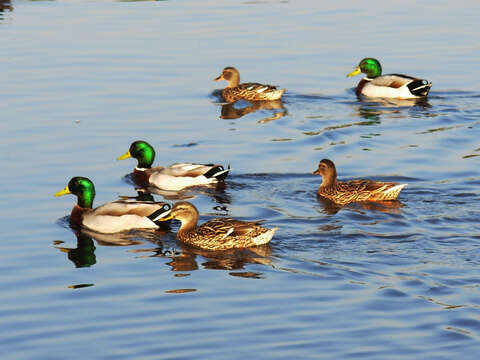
column 252, row 92
column 222, row 234
column 361, row 190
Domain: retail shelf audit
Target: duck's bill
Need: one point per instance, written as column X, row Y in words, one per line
column 125, row 156
column 218, row 78
column 355, row 72
column 63, row 192
column 316, row 172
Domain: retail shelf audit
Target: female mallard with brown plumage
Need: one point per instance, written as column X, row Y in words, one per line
column 216, row 234
column 247, row 91
column 388, row 86
column 112, row 217
column 174, row 177
column 354, row 190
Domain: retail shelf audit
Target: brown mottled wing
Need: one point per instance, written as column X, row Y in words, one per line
column 252, row 92
column 226, row 227
column 360, row 190
column 365, row 190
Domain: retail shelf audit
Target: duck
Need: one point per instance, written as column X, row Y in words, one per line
column 112, row 217
column 174, row 177
column 346, row 192
column 398, row 86
column 216, row 234
column 246, row 91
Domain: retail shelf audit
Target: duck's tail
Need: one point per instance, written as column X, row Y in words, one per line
column 264, row 237
column 392, row 193
column 218, row 172
column 419, row 87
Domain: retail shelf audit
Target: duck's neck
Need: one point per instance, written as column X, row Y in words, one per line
column 145, row 162
column 329, row 182
column 188, row 225
column 85, row 199
column 233, row 81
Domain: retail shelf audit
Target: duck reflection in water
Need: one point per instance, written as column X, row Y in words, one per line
column 235, row 110
column 84, row 254
column 232, row 259
column 372, row 109
column 389, row 206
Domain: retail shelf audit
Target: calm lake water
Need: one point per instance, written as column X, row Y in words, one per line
column 82, row 80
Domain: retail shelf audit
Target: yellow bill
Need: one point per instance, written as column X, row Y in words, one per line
column 355, row 72
column 125, row 156
column 63, row 192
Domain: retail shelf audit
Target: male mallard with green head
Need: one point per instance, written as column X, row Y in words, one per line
column 216, row 234
column 374, row 84
column 354, row 190
column 247, row 91
column 174, row 177
column 112, row 217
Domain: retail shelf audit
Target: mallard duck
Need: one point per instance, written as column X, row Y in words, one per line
column 216, row 234
column 112, row 217
column 388, row 86
column 247, row 91
column 354, row 190
column 174, row 177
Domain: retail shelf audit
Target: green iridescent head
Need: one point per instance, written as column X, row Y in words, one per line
column 143, row 152
column 369, row 66
column 83, row 188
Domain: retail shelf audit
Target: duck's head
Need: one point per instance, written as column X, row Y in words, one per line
column 183, row 211
column 369, row 66
column 326, row 169
column 231, row 75
column 143, row 152
column 83, row 188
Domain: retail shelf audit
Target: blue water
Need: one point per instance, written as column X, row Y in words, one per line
column 81, row 80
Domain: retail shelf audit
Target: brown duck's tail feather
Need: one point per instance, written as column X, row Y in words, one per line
column 391, row 193
column 265, row 237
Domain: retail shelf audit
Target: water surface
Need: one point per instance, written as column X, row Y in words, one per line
column 82, row 80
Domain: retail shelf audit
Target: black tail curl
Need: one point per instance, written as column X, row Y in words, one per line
column 218, row 172
column 419, row 87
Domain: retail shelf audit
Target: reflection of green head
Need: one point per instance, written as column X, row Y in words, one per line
column 371, row 67
column 83, row 188
column 84, row 254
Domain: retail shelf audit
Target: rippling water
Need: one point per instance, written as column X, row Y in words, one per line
column 82, row 80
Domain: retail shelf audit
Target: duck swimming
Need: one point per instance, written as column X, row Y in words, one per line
column 247, row 91
column 374, row 84
column 174, row 177
column 112, row 217
column 216, row 234
column 346, row 192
